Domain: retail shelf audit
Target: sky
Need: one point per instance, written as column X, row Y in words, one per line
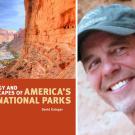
column 12, row 16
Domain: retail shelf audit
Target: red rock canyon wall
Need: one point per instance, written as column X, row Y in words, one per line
column 49, row 47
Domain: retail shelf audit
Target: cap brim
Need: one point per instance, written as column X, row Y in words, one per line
column 110, row 29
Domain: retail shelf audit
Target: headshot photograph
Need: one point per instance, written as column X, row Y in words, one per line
column 106, row 67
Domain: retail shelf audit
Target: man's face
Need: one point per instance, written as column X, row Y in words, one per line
column 109, row 61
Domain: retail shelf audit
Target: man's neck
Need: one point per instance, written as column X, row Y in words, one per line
column 131, row 116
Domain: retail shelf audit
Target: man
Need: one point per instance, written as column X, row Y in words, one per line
column 106, row 47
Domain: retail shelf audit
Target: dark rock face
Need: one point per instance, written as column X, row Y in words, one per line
column 86, row 5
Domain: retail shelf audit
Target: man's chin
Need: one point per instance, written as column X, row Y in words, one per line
column 125, row 107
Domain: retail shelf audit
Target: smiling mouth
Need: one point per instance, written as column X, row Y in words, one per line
column 119, row 85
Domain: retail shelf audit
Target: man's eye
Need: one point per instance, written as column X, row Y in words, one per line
column 94, row 64
column 120, row 51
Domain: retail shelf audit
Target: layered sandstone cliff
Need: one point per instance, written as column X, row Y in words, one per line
column 6, row 35
column 49, row 47
column 17, row 43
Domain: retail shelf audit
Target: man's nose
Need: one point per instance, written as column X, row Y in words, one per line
column 110, row 68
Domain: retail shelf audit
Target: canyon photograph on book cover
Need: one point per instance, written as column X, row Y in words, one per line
column 37, row 39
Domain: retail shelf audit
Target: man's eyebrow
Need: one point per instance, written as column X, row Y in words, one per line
column 87, row 58
column 118, row 41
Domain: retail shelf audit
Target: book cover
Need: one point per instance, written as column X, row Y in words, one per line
column 37, row 67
